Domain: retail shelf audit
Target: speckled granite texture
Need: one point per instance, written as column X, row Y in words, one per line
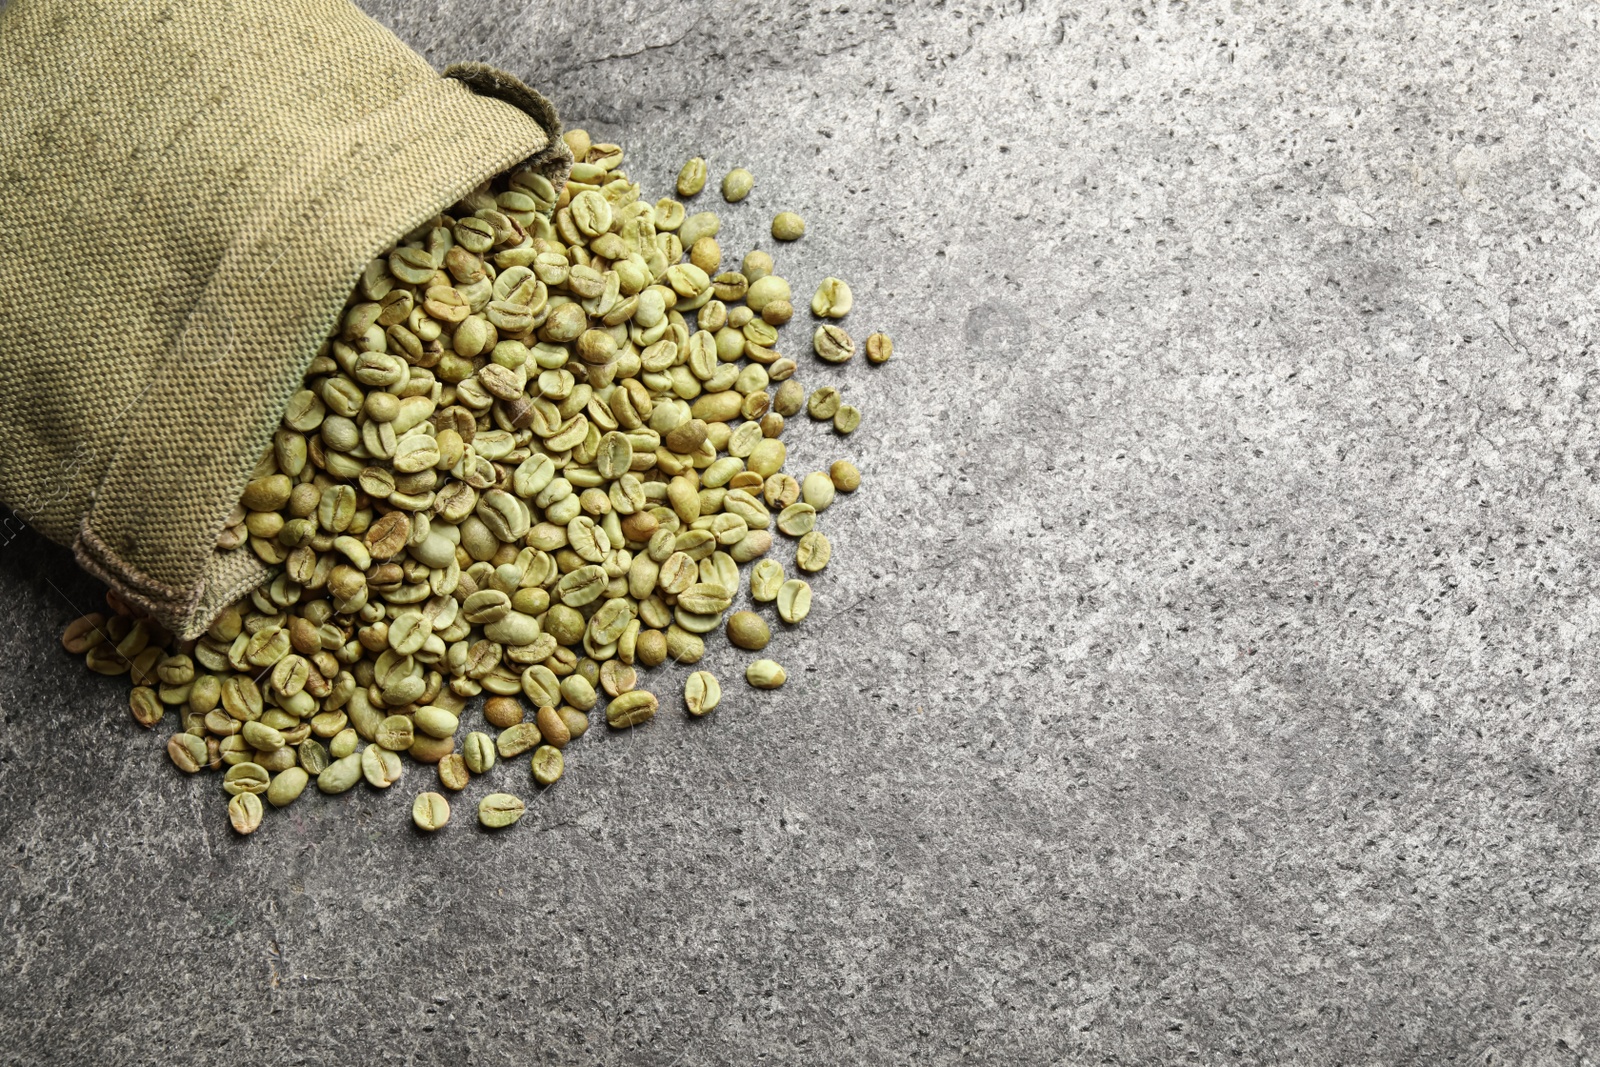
column 1207, row 669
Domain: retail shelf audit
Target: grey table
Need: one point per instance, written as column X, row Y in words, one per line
column 1207, row 668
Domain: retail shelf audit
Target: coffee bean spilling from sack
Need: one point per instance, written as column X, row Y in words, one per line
column 528, row 463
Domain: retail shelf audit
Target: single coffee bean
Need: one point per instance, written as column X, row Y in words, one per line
column 430, row 811
column 787, row 226
column 823, row 402
column 692, row 178
column 244, row 812
column 756, row 265
column 146, row 706
column 794, row 601
column 798, row 519
column 631, row 709
column 764, row 674
column 287, row 785
column 833, row 299
column 341, row 775
column 499, row 810
column 701, row 693
column 616, row 678
column 789, row 398
column 395, row 733
column 766, row 577
column 343, row 743
column 515, row 740
column 844, row 476
column 312, row 756
column 453, row 773
column 547, row 764
column 478, row 751
column 380, row 766
column 436, row 722
column 833, row 344
column 766, row 290
column 813, row 552
column 748, row 630
column 736, row 185
column 245, row 778
column 84, row 633
column 188, row 752
column 503, row 712
column 552, row 728
column 817, row 490
column 259, row 735
column 576, row 722
column 879, row 348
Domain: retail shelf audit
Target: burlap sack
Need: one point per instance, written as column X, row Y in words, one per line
column 188, row 193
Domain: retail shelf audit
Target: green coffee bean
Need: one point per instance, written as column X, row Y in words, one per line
column 516, row 740
column 833, row 299
column 478, row 751
column 765, row 290
column 780, row 490
column 701, row 693
column 692, row 178
column 499, row 810
column 244, row 812
column 813, row 551
column 430, row 811
column 547, row 764
column 436, row 722
column 765, row 674
column 453, row 772
column 683, row 646
column 703, row 224
column 262, row 737
column 287, row 785
column 789, row 398
column 702, row 598
column 245, row 778
column 765, row 579
column 489, row 560
column 631, row 709
column 188, row 752
column 797, row 520
column 844, row 476
column 395, row 733
column 341, row 775
column 833, row 344
column 748, row 630
column 576, row 722
column 312, row 756
column 879, row 348
column 380, row 766
column 146, row 706
column 344, row 743
column 817, row 490
column 823, row 402
column 787, row 226
column 794, row 601
column 736, row 185
column 578, row 692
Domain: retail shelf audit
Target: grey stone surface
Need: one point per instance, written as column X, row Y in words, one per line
column 1207, row 669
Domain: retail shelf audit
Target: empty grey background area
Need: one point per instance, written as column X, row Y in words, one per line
column 1206, row 670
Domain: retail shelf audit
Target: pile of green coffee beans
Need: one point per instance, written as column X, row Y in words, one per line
column 529, row 462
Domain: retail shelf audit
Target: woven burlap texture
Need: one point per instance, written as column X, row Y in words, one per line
column 190, row 190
